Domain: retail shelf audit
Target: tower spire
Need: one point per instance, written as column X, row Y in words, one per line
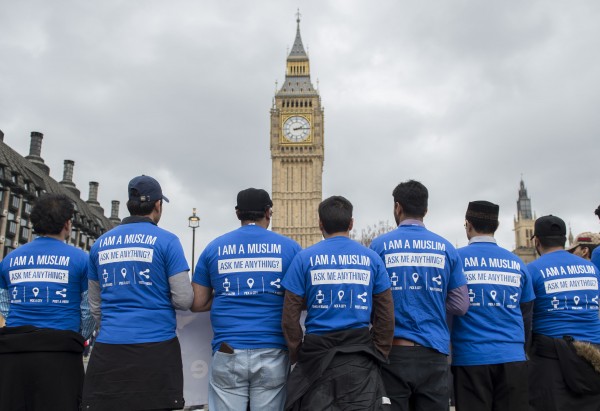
column 298, row 48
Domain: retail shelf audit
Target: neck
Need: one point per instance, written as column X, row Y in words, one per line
column 338, row 234
column 263, row 222
column 60, row 236
column 550, row 250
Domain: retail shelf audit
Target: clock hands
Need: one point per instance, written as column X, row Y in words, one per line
column 301, row 128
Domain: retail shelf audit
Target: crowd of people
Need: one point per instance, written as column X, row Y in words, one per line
column 336, row 326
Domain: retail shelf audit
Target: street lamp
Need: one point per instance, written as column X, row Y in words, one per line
column 193, row 223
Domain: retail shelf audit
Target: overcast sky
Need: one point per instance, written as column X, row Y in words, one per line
column 464, row 96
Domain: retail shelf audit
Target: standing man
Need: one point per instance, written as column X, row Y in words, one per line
column 565, row 314
column 138, row 277
column 245, row 268
column 345, row 288
column 585, row 244
column 43, row 295
column 428, row 282
column 488, row 342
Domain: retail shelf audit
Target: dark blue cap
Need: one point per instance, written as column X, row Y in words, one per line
column 145, row 188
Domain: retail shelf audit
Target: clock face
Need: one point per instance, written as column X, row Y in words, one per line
column 296, row 129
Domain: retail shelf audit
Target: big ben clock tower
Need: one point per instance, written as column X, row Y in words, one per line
column 297, row 150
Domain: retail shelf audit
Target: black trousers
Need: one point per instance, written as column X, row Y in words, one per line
column 416, row 379
column 495, row 387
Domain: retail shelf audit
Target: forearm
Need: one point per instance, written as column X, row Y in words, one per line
column 94, row 300
column 382, row 319
column 457, row 301
column 182, row 295
column 203, row 298
column 87, row 321
column 290, row 323
column 527, row 313
column 4, row 302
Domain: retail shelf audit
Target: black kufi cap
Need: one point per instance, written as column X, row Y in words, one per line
column 483, row 211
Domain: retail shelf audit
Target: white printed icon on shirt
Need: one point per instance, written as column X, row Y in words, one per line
column 415, row 277
column 394, row 279
column 437, row 280
column 276, row 283
column 340, row 294
column 576, row 300
column 226, row 285
column 514, row 296
column 471, row 295
column 320, row 297
column 145, row 274
column 36, row 291
column 250, row 282
column 62, row 293
column 363, row 297
column 493, row 293
column 124, row 272
column 555, row 302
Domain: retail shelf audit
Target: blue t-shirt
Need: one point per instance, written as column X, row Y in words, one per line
column 133, row 263
column 422, row 267
column 45, row 279
column 596, row 257
column 338, row 278
column 492, row 331
column 245, row 267
column 566, row 289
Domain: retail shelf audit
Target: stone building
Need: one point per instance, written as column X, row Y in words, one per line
column 22, row 179
column 297, row 150
column 523, row 227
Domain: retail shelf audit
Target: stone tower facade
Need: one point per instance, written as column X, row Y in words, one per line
column 524, row 224
column 297, row 150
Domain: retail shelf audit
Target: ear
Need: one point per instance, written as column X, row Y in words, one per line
column 398, row 210
column 157, row 205
column 321, row 227
column 351, row 224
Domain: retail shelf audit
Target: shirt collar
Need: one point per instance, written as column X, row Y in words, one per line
column 411, row 221
column 482, row 239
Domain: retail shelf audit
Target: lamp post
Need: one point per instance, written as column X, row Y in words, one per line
column 193, row 223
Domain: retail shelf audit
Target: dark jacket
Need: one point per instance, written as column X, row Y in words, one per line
column 337, row 371
column 40, row 369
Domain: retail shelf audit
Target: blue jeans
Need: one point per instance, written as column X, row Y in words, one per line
column 256, row 377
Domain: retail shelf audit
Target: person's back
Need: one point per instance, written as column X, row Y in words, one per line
column 138, row 276
column 132, row 264
column 422, row 267
column 44, row 288
column 566, row 288
column 492, row 331
column 238, row 277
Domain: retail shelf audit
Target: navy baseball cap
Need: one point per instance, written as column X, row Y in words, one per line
column 145, row 188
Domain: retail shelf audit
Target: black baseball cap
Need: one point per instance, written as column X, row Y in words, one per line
column 549, row 226
column 253, row 199
column 145, row 188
